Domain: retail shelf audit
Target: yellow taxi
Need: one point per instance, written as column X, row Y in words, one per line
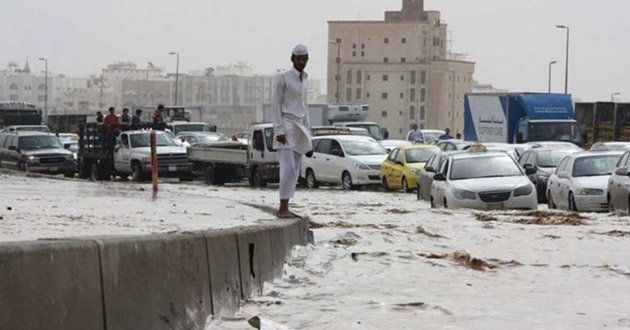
column 403, row 165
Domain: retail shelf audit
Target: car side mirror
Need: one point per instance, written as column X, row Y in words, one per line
column 429, row 169
column 530, row 170
column 66, row 146
column 622, row 171
column 563, row 175
column 12, row 148
column 336, row 152
column 439, row 177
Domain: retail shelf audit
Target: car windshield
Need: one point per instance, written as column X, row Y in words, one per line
column 551, row 158
column 419, row 155
column 484, row 167
column 363, row 147
column 374, row 130
column 39, row 142
column 461, row 146
column 144, row 140
column 428, row 137
column 190, row 128
column 68, row 137
column 595, row 165
column 555, row 131
column 33, row 129
column 610, row 146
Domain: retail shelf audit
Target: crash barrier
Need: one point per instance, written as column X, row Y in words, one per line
column 165, row 281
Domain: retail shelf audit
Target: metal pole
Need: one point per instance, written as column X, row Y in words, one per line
column 550, row 64
column 46, row 92
column 338, row 70
column 154, row 164
column 566, row 72
column 176, row 78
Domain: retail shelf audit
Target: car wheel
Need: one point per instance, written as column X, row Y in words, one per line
column 550, row 203
column 257, row 180
column 137, row 174
column 22, row 166
column 611, row 207
column 432, row 203
column 186, row 177
column 209, row 175
column 311, row 181
column 572, row 205
column 445, row 204
column 94, row 173
column 69, row 175
column 346, row 181
column 385, row 184
column 405, row 185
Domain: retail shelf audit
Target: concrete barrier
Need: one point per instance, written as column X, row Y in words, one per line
column 140, row 282
column 225, row 277
column 54, row 285
column 155, row 282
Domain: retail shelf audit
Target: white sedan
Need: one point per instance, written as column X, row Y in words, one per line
column 485, row 180
column 580, row 182
column 349, row 160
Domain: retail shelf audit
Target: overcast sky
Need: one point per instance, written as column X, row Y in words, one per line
column 512, row 41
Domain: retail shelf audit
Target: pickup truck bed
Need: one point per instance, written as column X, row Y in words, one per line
column 223, row 152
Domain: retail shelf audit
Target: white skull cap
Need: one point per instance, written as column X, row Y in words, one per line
column 300, row 50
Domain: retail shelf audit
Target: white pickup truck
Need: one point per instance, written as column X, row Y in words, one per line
column 132, row 156
column 225, row 162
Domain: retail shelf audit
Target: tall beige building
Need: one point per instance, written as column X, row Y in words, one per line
column 400, row 67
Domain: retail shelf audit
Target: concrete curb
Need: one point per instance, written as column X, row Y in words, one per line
column 140, row 282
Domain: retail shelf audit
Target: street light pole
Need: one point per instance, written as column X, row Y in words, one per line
column 612, row 96
column 566, row 73
column 338, row 60
column 46, row 92
column 550, row 64
column 176, row 75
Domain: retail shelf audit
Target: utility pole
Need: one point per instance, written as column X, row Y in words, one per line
column 550, row 64
column 176, row 74
column 566, row 72
column 46, row 92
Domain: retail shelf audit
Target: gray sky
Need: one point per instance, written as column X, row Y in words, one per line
column 511, row 41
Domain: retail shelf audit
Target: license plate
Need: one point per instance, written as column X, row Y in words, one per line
column 172, row 168
column 496, row 206
column 54, row 169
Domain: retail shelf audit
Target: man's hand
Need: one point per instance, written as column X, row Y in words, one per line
column 281, row 138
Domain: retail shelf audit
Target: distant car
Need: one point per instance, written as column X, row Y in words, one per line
column 35, row 152
column 553, row 145
column 544, row 162
column 330, row 130
column 428, row 135
column 373, row 128
column 68, row 137
column 359, row 131
column 510, row 149
column 432, row 166
column 348, row 160
column 580, row 182
column 26, row 128
column 392, row 144
column 243, row 137
column 619, row 186
column 402, row 167
column 178, row 127
column 611, row 146
column 194, row 138
column 452, row 145
column 484, row 180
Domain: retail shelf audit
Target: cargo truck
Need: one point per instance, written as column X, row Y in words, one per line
column 521, row 118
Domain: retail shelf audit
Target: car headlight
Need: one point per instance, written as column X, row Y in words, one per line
column 523, row 191
column 75, row 156
column 70, row 157
column 415, row 171
column 464, row 194
column 590, row 192
column 31, row 159
column 146, row 160
column 360, row 166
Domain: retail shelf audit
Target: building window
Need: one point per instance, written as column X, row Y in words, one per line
column 383, row 113
column 423, row 95
column 458, row 96
column 14, row 87
column 14, row 97
column 354, row 46
column 362, row 54
column 338, row 40
column 403, row 60
column 384, row 95
column 359, row 77
column 423, row 77
column 413, row 77
column 450, row 78
column 422, row 112
column 368, row 77
column 402, row 77
column 403, row 40
column 385, row 77
column 386, row 40
column 41, row 98
column 362, row 46
column 349, row 94
column 400, row 113
column 354, row 54
column 386, row 59
column 402, row 95
column 450, row 96
column 359, row 94
column 349, row 77
column 412, row 112
column 412, row 95
column 367, row 95
column 458, row 79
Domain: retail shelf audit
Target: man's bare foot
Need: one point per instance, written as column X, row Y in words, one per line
column 296, row 215
column 285, row 215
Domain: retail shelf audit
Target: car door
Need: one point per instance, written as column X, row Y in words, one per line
column 553, row 185
column 426, row 177
column 622, row 186
column 3, row 139
column 397, row 172
column 438, row 187
column 11, row 154
column 319, row 163
column 562, row 199
column 122, row 155
column 614, row 184
column 388, row 166
column 337, row 161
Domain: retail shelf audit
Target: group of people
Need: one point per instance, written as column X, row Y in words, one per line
column 416, row 135
column 113, row 122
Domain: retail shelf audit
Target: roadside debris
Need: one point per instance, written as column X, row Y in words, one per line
column 613, row 233
column 465, row 259
column 259, row 323
column 421, row 230
column 543, row 218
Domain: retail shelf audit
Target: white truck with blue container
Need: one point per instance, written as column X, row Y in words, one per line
column 521, row 118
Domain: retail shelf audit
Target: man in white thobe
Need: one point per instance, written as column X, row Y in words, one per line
column 291, row 125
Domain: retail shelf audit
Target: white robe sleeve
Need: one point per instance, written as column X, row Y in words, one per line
column 307, row 116
column 276, row 105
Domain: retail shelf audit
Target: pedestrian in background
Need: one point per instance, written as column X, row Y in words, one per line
column 136, row 120
column 447, row 135
column 99, row 117
column 416, row 135
column 291, row 125
column 125, row 120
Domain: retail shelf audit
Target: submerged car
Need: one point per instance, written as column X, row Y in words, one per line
column 349, row 160
column 484, row 180
column 35, row 152
column 402, row 167
column 544, row 162
column 580, row 183
column 619, row 186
